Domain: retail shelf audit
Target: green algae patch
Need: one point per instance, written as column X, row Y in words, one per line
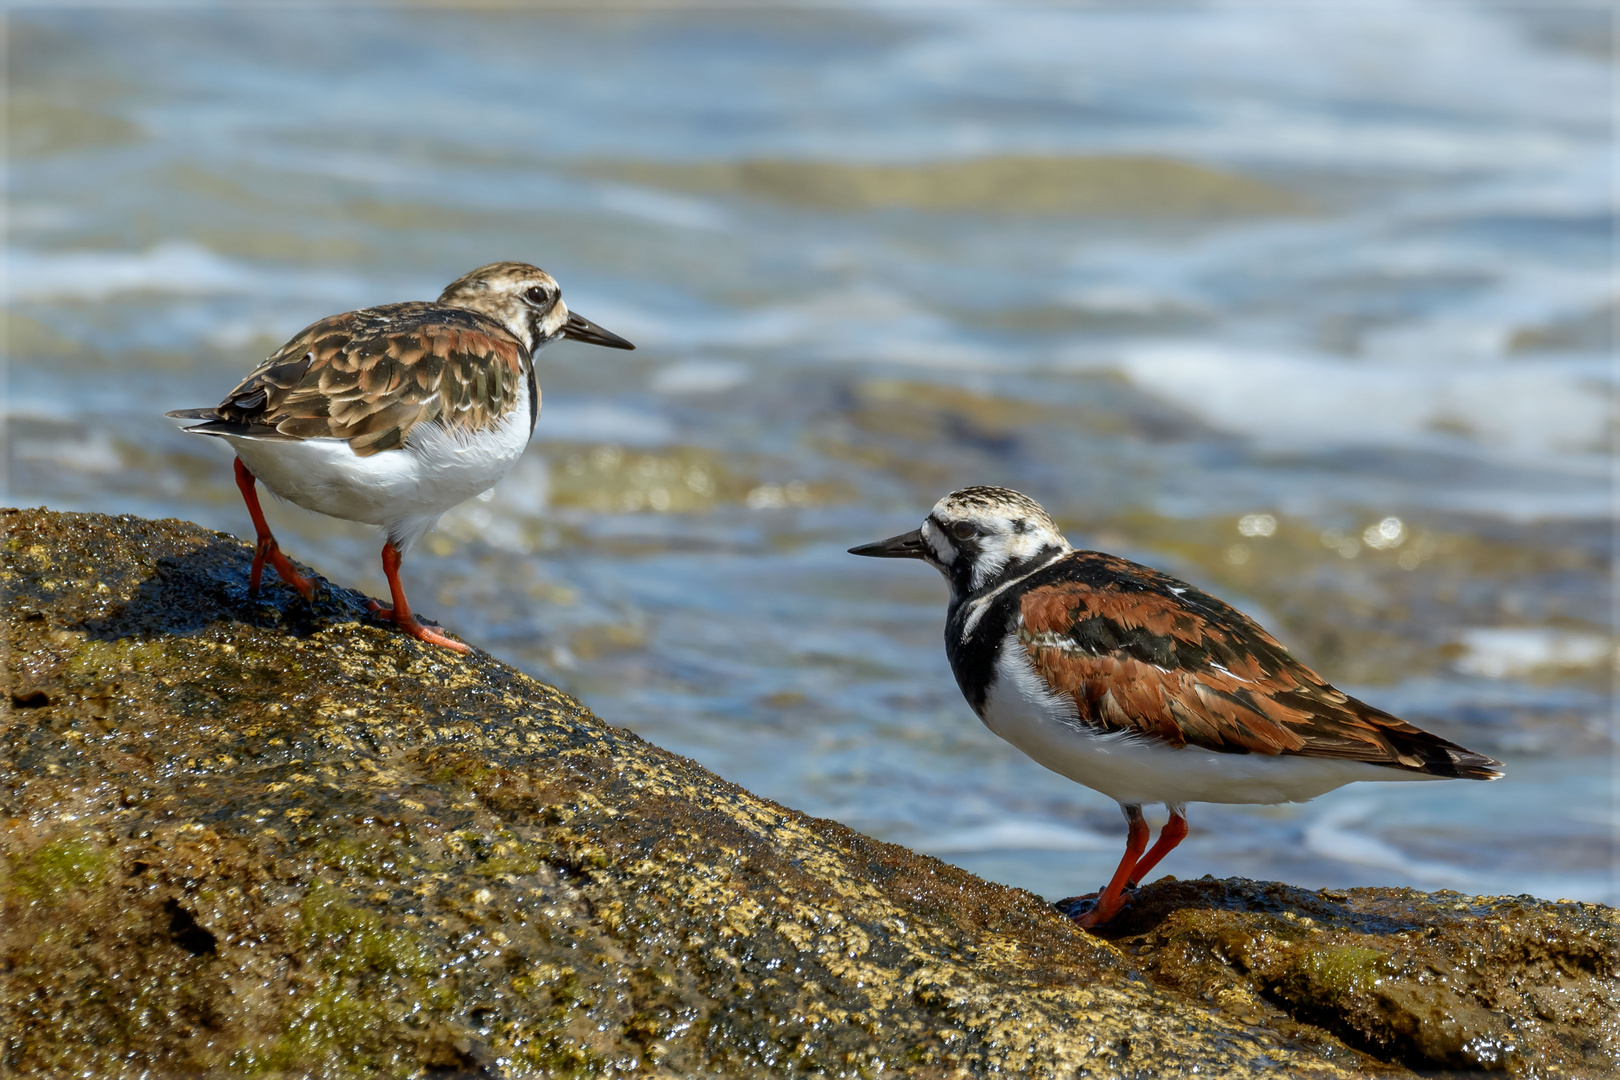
column 245, row 836
column 1152, row 187
column 616, row 479
column 373, row 979
column 57, row 870
column 1337, row 973
column 96, row 658
column 350, row 940
column 29, row 339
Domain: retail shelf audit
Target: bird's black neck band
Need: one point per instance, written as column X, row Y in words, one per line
column 960, row 574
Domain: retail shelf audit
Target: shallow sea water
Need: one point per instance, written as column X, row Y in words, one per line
column 1310, row 306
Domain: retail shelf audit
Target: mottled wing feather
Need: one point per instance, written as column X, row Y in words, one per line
column 372, row 376
column 1139, row 652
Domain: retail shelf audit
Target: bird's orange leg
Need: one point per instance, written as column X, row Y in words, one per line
column 1110, row 900
column 1173, row 833
column 400, row 614
column 267, row 548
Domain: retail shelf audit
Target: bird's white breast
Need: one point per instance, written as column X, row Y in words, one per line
column 403, row 490
column 1022, row 709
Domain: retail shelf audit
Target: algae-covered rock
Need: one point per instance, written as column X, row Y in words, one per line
column 244, row 837
column 1437, row 981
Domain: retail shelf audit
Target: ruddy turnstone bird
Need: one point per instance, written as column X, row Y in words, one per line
column 1140, row 686
column 391, row 415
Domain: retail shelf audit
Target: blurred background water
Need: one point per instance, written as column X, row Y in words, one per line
column 1311, row 305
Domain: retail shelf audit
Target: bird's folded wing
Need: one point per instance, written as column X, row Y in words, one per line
column 1139, row 652
column 371, row 376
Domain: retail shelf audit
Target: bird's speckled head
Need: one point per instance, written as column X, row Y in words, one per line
column 528, row 302
column 977, row 534
column 992, row 528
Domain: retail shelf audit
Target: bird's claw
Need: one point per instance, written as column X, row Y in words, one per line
column 1072, row 906
column 267, row 551
column 415, row 627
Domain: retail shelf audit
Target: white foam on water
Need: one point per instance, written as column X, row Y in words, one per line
column 176, row 268
column 1508, row 652
column 1431, row 87
column 1557, row 412
column 96, row 275
column 1136, row 298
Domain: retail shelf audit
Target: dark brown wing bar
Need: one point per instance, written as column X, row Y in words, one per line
column 370, row 376
column 1141, row 652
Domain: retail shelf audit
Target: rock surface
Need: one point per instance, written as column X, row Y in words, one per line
column 1437, row 981
column 241, row 836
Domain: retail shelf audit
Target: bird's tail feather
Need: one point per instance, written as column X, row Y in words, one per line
column 1427, row 752
column 213, row 424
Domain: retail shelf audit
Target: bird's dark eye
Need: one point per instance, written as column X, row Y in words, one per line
column 964, row 530
column 539, row 294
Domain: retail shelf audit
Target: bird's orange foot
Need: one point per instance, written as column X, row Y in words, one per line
column 268, row 551
column 415, row 627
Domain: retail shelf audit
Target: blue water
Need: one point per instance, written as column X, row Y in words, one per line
column 1355, row 264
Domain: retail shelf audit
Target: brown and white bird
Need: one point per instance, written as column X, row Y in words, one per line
column 392, row 415
column 1140, row 686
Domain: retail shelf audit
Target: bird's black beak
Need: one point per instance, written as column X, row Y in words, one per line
column 580, row 328
column 909, row 545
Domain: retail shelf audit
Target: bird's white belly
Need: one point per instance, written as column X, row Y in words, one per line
column 403, row 490
column 1130, row 769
